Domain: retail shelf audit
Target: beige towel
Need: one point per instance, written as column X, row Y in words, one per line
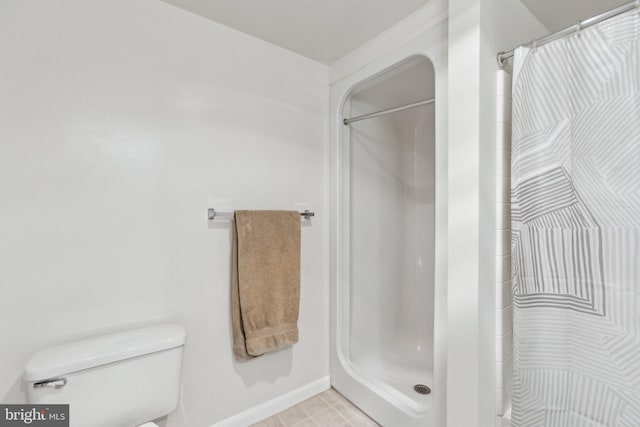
column 265, row 281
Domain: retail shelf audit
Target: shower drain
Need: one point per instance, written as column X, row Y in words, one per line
column 422, row 389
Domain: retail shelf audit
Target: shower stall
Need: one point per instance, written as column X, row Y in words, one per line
column 386, row 244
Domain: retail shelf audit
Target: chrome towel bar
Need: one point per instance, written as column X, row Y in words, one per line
column 213, row 215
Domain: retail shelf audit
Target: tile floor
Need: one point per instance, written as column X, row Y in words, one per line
column 327, row 409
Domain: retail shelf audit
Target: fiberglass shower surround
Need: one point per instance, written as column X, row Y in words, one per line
column 387, row 289
column 392, row 210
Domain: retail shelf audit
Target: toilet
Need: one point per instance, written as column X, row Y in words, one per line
column 125, row 379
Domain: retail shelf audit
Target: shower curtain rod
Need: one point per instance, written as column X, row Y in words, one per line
column 388, row 111
column 504, row 56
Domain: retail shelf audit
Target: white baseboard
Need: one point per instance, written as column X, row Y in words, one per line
column 273, row 406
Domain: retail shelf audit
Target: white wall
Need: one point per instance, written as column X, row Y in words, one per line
column 478, row 29
column 121, row 122
column 463, row 339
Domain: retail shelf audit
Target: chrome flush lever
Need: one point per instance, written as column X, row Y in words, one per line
column 56, row 383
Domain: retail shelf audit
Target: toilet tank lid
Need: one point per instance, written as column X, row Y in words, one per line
column 89, row 353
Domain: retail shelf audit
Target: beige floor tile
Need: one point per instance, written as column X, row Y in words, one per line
column 328, row 418
column 346, row 409
column 314, row 405
column 308, row 422
column 269, row 422
column 327, row 409
column 292, row 416
column 361, row 420
column 333, row 397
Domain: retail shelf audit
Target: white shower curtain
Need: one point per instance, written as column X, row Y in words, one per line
column 576, row 229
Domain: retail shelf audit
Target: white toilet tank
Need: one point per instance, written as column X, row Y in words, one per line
column 118, row 380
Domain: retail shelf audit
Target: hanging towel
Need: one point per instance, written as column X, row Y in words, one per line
column 265, row 281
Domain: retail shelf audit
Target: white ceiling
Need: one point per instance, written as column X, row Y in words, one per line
column 323, row 30
column 557, row 14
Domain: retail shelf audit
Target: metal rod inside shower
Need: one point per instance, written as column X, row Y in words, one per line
column 388, row 111
column 503, row 57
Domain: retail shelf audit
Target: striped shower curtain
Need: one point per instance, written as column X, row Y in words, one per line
column 576, row 229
